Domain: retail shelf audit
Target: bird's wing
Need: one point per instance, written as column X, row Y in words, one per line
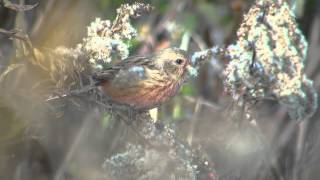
column 132, row 67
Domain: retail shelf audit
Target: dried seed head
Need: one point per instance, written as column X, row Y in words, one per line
column 268, row 59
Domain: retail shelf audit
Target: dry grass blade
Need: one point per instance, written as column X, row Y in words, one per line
column 8, row 70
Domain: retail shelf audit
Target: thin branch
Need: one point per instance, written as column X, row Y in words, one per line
column 18, row 7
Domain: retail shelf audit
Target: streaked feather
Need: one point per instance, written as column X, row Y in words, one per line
column 143, row 82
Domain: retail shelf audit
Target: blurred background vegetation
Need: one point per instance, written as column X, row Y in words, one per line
column 75, row 144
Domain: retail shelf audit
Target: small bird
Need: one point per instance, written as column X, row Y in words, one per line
column 143, row 82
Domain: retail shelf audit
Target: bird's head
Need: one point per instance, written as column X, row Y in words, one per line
column 174, row 62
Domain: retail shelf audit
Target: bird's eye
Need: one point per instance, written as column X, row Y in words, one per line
column 179, row 61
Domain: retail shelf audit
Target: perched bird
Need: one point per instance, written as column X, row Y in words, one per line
column 143, row 82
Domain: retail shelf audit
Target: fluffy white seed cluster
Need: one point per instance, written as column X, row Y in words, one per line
column 144, row 163
column 268, row 59
column 106, row 40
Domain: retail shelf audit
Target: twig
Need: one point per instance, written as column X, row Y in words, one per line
column 194, row 120
column 203, row 102
column 18, row 34
column 76, row 92
column 299, row 150
column 198, row 40
column 18, row 7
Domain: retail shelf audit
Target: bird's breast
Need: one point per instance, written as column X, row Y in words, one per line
column 144, row 95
